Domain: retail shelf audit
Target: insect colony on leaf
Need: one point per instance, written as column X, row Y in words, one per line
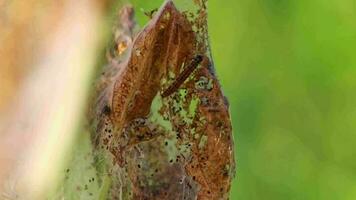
column 161, row 121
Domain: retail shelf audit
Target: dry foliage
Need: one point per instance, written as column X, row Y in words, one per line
column 162, row 128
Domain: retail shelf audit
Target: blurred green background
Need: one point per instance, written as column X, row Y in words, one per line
column 288, row 69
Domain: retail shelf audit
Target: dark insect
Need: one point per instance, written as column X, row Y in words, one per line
column 183, row 76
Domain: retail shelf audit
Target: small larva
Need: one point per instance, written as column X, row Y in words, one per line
column 183, row 76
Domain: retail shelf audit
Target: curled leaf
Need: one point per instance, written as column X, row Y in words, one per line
column 161, row 120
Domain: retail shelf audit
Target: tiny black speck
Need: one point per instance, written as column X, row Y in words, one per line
column 106, row 110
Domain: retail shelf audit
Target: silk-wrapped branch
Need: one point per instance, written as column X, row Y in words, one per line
column 161, row 125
